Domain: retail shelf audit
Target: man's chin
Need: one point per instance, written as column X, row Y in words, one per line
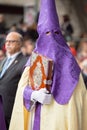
column 9, row 52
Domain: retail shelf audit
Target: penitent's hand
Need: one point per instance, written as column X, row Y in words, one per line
column 42, row 96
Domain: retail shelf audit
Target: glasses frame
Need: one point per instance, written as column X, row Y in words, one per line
column 12, row 41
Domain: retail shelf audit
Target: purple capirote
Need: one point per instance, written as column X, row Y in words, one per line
column 52, row 44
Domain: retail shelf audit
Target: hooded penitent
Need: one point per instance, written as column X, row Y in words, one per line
column 52, row 44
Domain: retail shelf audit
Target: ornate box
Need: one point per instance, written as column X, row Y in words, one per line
column 40, row 74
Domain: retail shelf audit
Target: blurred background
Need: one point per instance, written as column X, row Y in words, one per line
column 22, row 16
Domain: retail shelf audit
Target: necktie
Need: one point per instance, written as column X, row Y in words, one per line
column 5, row 67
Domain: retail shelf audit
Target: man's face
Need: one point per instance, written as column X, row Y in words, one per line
column 29, row 46
column 13, row 43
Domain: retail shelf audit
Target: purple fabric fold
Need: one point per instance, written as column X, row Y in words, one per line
column 27, row 103
column 37, row 117
column 27, row 97
column 2, row 119
column 66, row 70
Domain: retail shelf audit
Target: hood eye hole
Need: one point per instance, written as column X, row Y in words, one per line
column 56, row 32
column 48, row 33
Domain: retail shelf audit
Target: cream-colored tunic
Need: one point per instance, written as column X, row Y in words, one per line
column 72, row 116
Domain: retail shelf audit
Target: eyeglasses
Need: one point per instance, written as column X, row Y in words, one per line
column 12, row 41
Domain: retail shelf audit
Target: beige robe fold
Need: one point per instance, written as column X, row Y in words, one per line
column 72, row 116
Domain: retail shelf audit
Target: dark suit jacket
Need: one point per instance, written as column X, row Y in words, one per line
column 2, row 120
column 9, row 83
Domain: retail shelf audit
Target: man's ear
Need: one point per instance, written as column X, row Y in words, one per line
column 21, row 44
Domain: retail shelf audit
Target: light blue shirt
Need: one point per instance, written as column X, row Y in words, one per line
column 13, row 57
column 9, row 61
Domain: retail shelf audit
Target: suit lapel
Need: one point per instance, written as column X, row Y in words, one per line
column 12, row 65
column 15, row 62
column 2, row 64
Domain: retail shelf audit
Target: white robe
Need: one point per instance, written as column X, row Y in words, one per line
column 72, row 116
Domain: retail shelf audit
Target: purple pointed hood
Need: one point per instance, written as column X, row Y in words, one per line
column 48, row 19
column 52, row 44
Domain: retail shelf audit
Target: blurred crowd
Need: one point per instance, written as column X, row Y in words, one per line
column 30, row 35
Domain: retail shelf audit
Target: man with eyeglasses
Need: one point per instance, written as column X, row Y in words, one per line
column 10, row 72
